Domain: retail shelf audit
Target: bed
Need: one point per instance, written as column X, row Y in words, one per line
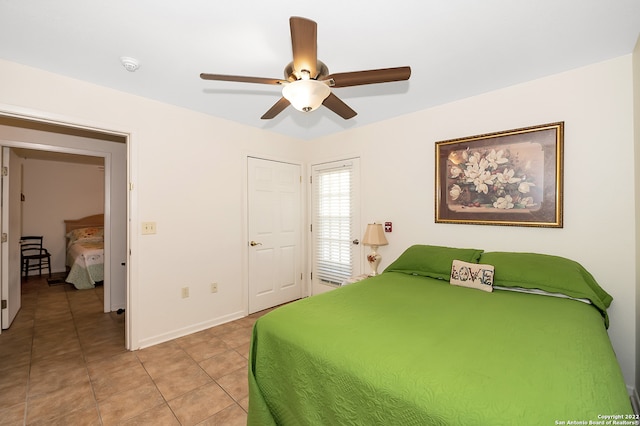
column 408, row 347
column 85, row 251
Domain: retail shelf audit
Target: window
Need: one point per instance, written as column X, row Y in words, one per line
column 334, row 223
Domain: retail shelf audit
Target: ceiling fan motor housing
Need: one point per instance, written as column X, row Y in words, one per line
column 292, row 74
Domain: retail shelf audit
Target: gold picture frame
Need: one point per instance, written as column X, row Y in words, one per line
column 510, row 178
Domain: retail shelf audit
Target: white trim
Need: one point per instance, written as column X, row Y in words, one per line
column 14, row 111
column 635, row 400
column 133, row 290
column 193, row 328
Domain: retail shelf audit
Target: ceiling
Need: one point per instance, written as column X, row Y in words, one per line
column 456, row 49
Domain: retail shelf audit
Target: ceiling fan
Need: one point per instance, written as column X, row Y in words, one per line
column 307, row 83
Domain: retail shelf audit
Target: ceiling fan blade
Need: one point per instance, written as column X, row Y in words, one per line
column 357, row 78
column 241, row 79
column 304, row 41
column 276, row 109
column 336, row 105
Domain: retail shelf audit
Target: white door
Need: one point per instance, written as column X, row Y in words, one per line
column 335, row 224
column 116, row 210
column 274, row 216
column 10, row 262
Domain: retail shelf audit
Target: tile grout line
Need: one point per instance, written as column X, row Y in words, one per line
column 154, row 384
column 84, row 357
column 33, row 337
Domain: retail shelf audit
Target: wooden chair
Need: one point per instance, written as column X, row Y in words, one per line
column 33, row 256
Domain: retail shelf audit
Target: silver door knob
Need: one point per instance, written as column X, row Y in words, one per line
column 253, row 244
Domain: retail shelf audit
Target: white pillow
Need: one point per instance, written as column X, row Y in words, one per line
column 472, row 275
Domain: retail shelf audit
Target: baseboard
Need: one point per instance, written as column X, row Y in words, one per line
column 635, row 399
column 151, row 341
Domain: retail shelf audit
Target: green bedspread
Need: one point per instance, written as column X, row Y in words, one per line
column 398, row 349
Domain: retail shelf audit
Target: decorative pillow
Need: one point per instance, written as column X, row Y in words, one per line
column 472, row 275
column 85, row 233
column 432, row 261
column 553, row 274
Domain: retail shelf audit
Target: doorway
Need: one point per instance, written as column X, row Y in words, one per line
column 335, row 223
column 31, row 134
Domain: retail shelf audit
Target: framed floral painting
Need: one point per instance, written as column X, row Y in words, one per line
column 506, row 178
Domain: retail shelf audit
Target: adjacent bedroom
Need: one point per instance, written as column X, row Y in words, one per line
column 63, row 201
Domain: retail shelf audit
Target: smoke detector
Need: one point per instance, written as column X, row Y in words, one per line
column 130, row 64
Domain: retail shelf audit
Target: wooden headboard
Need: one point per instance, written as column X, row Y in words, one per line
column 85, row 222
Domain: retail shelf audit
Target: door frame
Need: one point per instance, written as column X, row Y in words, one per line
column 305, row 290
column 10, row 262
column 31, row 115
column 358, row 253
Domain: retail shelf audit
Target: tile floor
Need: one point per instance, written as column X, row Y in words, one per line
column 63, row 362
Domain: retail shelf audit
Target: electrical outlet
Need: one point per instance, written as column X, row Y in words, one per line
column 185, row 292
column 148, row 228
column 214, row 287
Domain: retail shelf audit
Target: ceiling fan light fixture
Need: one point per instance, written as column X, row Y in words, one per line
column 306, row 95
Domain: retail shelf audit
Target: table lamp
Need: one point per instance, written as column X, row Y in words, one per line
column 374, row 237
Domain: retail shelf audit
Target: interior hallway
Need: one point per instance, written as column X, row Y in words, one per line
column 63, row 362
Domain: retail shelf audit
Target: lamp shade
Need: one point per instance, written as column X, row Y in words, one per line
column 374, row 235
column 306, row 95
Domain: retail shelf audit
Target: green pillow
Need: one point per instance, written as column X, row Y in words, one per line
column 553, row 274
column 432, row 261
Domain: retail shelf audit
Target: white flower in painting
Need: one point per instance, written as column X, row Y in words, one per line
column 495, row 159
column 507, row 176
column 471, row 172
column 504, row 203
column 525, row 187
column 483, row 181
column 476, row 166
column 474, row 157
column 527, row 202
column 484, row 164
column 455, row 192
column 455, row 171
column 481, row 187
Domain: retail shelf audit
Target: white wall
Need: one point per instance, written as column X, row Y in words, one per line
column 55, row 191
column 595, row 102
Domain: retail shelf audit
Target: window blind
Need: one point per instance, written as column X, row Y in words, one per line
column 333, row 223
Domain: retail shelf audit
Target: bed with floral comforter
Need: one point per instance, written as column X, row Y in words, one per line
column 85, row 257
